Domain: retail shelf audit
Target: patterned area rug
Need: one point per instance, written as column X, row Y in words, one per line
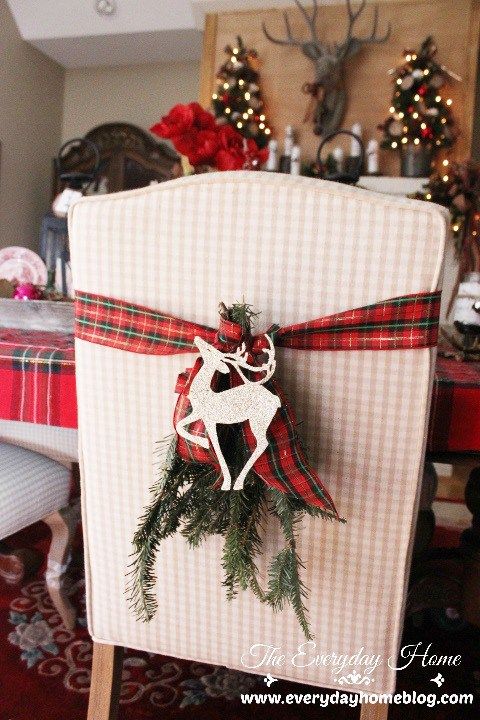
column 45, row 669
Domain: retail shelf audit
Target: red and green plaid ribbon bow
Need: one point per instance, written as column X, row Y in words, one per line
column 406, row 322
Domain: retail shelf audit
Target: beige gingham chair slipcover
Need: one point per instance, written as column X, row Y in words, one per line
column 296, row 249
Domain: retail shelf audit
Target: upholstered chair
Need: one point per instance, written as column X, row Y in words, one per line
column 32, row 488
column 296, row 249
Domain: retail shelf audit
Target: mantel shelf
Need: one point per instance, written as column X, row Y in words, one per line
column 392, row 185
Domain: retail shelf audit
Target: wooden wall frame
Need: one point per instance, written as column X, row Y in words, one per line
column 207, row 67
column 457, row 25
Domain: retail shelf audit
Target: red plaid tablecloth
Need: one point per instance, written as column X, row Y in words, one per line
column 37, row 385
column 455, row 415
column 37, row 377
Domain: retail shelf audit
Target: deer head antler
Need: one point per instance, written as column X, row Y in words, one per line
column 315, row 47
column 351, row 45
column 312, row 48
column 239, row 360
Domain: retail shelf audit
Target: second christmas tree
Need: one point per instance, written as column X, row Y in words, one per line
column 237, row 99
column 420, row 115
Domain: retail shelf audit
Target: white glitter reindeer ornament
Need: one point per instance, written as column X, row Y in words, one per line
column 249, row 401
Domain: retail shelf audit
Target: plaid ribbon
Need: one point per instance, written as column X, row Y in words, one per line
column 405, row 322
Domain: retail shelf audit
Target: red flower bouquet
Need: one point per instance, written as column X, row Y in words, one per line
column 195, row 134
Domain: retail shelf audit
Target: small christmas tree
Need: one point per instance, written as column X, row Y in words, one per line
column 237, row 99
column 419, row 114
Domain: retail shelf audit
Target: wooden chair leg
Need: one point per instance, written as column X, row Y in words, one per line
column 63, row 524
column 106, row 682
column 370, row 711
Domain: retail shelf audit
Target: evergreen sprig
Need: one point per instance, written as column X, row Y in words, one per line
column 186, row 498
column 175, row 497
column 243, row 540
column 284, row 582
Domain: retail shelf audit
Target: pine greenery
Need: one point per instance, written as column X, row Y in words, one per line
column 186, row 499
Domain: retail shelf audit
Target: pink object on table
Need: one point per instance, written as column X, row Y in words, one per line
column 21, row 265
column 27, row 291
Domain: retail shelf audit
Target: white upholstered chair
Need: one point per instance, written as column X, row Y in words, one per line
column 32, row 488
column 296, row 249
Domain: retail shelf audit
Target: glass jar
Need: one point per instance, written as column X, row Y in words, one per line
column 416, row 160
column 466, row 309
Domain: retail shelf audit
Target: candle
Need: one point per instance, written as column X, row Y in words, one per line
column 286, row 159
column 59, row 276
column 295, row 163
column 287, row 151
column 338, row 157
column 271, row 165
column 372, row 157
column 355, row 147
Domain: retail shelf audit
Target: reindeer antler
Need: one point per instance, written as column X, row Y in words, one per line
column 290, row 40
column 351, row 44
column 239, row 360
column 311, row 20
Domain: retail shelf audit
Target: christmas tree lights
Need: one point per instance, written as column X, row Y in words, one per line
column 237, row 99
column 419, row 112
column 456, row 186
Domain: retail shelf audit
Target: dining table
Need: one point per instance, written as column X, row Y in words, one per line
column 37, row 389
column 38, row 407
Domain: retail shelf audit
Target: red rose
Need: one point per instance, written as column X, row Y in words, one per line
column 237, row 153
column 178, row 121
column 202, row 119
column 200, row 146
column 183, row 118
column 194, row 133
column 254, row 156
column 231, row 155
column 229, row 138
column 230, row 160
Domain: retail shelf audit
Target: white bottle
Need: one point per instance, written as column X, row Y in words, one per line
column 288, row 147
column 271, row 165
column 286, row 159
column 338, row 157
column 355, row 147
column 372, row 157
column 295, row 160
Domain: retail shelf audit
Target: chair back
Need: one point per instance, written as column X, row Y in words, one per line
column 296, row 249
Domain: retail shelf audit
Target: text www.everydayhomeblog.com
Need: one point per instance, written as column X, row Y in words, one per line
column 355, row 699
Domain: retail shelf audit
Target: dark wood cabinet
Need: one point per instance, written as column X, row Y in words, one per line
column 129, row 158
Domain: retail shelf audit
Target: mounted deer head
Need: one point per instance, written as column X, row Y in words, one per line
column 328, row 59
